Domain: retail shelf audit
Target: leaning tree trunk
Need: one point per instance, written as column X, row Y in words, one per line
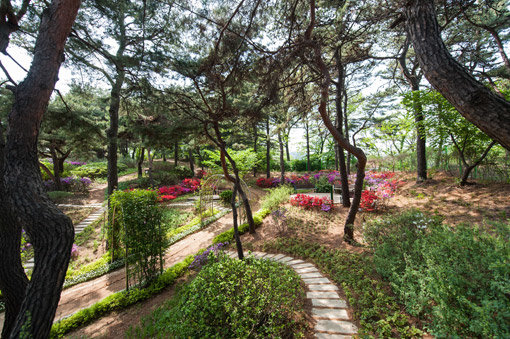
column 56, row 169
column 113, row 131
column 474, row 101
column 13, row 280
column 343, row 142
column 237, row 239
column 51, row 232
column 340, row 86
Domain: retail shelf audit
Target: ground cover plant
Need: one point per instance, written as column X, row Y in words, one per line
column 310, row 202
column 456, row 279
column 231, row 298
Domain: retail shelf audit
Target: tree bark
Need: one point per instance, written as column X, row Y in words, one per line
column 268, row 151
column 307, row 136
column 472, row 99
column 191, row 163
column 176, row 153
column 340, row 86
column 139, row 163
column 113, row 131
column 255, row 141
column 56, row 169
column 149, row 158
column 50, row 231
column 237, row 239
column 282, row 159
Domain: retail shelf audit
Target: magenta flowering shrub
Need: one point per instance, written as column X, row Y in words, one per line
column 167, row 193
column 69, row 184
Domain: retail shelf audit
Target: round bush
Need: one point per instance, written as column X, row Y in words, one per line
column 232, row 298
column 226, row 196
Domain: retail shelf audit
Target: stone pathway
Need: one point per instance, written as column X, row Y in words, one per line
column 77, row 228
column 329, row 310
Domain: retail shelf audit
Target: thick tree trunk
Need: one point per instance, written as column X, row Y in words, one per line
column 113, row 131
column 472, row 99
column 139, row 163
column 340, row 86
column 268, row 151
column 13, row 280
column 50, row 231
column 421, row 146
column 282, row 160
column 255, row 142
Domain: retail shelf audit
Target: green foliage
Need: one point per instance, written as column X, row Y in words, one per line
column 226, row 196
column 378, row 312
column 245, row 160
column 96, row 170
column 174, row 217
column 230, row 298
column 136, row 215
column 58, row 196
column 67, row 172
column 276, row 196
column 322, row 185
column 299, row 165
column 182, row 172
column 120, row 300
column 457, row 279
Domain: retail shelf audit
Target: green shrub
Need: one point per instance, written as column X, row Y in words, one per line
column 226, row 197
column 96, row 170
column 136, row 220
column 59, row 196
column 275, row 197
column 67, row 172
column 228, row 235
column 182, row 172
column 376, row 309
column 322, row 185
column 457, row 279
column 166, row 178
column 231, row 298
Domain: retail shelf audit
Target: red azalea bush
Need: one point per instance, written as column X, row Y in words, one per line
column 308, row 202
column 368, row 200
column 264, row 182
column 167, row 193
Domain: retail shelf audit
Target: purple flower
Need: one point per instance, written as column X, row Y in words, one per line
column 325, row 207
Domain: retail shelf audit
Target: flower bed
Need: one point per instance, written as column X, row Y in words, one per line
column 380, row 187
column 167, row 193
column 308, row 202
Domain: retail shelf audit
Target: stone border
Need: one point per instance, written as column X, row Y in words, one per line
column 328, row 309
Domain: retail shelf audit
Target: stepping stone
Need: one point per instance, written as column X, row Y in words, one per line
column 231, row 254
column 331, row 336
column 336, row 326
column 306, row 270
column 305, row 265
column 258, row 254
column 295, row 261
column 269, row 256
column 285, row 260
column 322, row 295
column 336, row 303
column 329, row 287
column 330, row 313
column 317, row 281
column 278, row 256
column 310, row 275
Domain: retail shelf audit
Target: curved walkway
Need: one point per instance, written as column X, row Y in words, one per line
column 328, row 309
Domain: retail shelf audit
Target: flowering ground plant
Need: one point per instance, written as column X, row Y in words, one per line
column 379, row 188
column 309, row 202
column 167, row 193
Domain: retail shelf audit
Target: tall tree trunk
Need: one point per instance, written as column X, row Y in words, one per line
column 287, row 152
column 340, row 86
column 268, row 151
column 149, row 157
column 176, row 153
column 50, row 231
column 139, row 163
column 163, row 154
column 133, row 153
column 282, row 160
column 237, row 239
column 487, row 110
column 255, row 142
column 307, row 136
column 13, row 281
column 343, row 142
column 56, row 169
column 113, row 131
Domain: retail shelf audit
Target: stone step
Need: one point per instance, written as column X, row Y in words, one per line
column 330, row 313
column 323, row 287
column 336, row 303
column 336, row 326
column 322, row 295
column 306, row 270
column 304, row 265
column 320, row 335
column 295, row 261
column 284, row 260
column 317, row 281
column 310, row 275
